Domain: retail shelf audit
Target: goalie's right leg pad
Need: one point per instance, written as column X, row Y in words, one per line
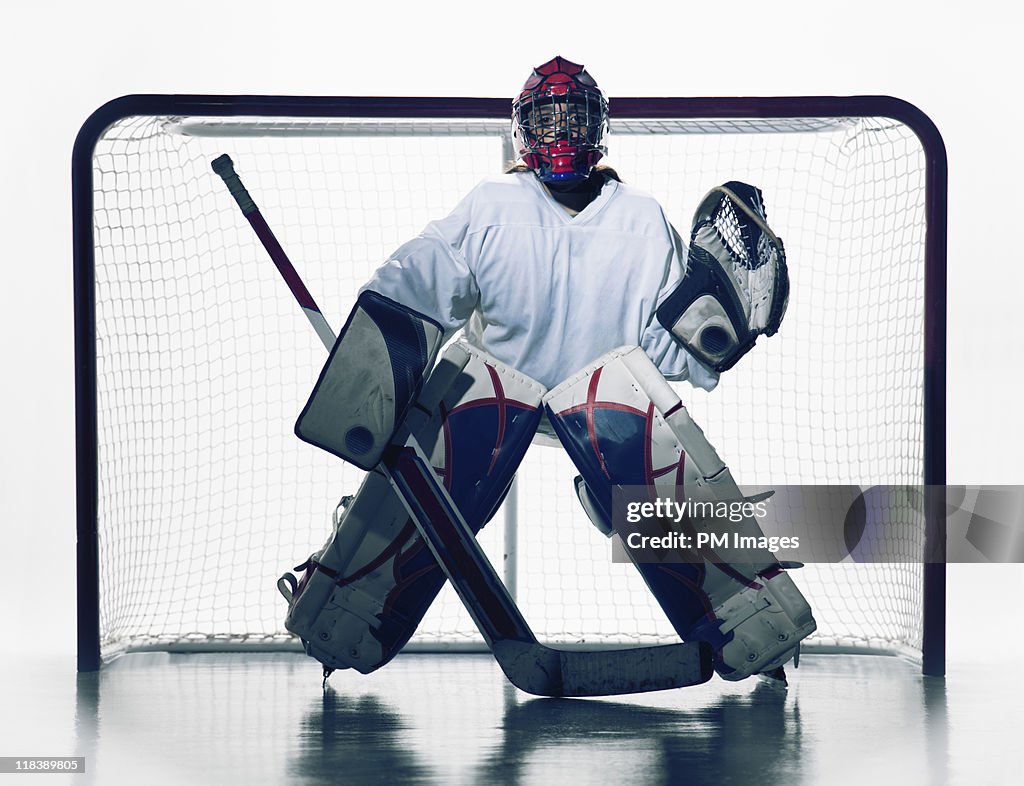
column 365, row 592
column 623, row 425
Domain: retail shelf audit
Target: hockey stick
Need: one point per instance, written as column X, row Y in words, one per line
column 530, row 666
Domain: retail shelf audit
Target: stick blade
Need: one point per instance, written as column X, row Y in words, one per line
column 544, row 671
column 610, row 672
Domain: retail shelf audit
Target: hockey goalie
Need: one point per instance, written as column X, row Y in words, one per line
column 576, row 301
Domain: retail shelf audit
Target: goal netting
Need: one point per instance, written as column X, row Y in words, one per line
column 202, row 494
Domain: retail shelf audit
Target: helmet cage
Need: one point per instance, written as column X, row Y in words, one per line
column 576, row 118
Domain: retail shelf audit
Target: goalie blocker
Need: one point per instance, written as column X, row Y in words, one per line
column 623, row 425
column 737, row 284
column 373, row 375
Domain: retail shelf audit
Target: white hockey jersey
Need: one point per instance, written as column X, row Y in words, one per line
column 542, row 290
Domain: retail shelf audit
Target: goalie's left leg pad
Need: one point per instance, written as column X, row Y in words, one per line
column 623, row 425
column 364, row 593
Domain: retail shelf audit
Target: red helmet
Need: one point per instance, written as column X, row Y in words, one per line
column 559, row 121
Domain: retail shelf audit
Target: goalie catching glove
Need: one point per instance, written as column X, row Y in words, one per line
column 736, row 286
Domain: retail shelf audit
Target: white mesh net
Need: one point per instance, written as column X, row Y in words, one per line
column 204, row 360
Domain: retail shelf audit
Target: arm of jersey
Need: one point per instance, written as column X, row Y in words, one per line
column 673, row 361
column 430, row 274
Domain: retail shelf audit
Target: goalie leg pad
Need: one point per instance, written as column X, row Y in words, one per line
column 623, row 425
column 335, row 608
column 366, row 591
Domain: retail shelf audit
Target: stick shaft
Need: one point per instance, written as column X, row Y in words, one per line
column 224, row 167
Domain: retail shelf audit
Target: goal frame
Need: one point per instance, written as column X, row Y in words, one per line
column 934, row 317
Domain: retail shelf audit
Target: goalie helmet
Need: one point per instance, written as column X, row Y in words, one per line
column 559, row 121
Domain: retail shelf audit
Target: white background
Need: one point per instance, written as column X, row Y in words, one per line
column 60, row 60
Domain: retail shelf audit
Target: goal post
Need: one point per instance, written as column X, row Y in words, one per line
column 192, row 362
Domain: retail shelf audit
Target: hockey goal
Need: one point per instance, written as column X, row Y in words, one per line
column 193, row 361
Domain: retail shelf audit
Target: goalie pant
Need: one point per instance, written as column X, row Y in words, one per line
column 363, row 594
column 623, row 425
